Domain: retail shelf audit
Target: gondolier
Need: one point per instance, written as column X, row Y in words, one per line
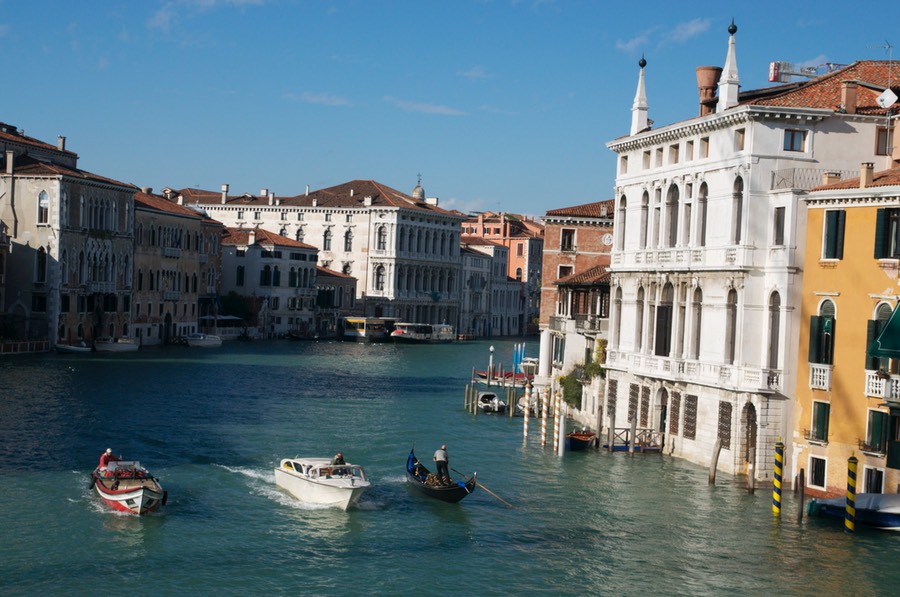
column 441, row 461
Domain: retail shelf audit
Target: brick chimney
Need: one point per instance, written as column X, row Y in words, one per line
column 251, row 238
column 848, row 96
column 831, row 178
column 707, row 83
column 866, row 174
column 61, row 143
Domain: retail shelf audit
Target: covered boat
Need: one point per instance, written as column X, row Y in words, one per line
column 879, row 510
column 126, row 486
column 422, row 332
column 580, row 440
column 426, row 482
column 489, row 402
column 317, row 481
column 199, row 340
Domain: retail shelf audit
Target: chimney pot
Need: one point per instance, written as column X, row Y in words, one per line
column 848, row 96
column 224, row 193
column 307, row 190
column 866, row 174
column 61, row 143
column 147, row 190
column 264, row 192
column 831, row 178
column 707, row 83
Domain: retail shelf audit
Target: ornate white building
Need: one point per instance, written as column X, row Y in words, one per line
column 708, row 254
column 403, row 249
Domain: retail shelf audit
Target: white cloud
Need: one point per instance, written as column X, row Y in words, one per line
column 170, row 11
column 635, row 43
column 325, row 99
column 475, row 73
column 163, row 18
column 685, row 31
column 412, row 106
column 660, row 36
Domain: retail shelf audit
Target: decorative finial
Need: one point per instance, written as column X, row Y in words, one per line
column 642, row 63
column 732, row 29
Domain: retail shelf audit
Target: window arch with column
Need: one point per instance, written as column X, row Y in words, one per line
column 620, row 223
column 672, row 196
column 774, row 330
column 737, row 210
column 379, row 278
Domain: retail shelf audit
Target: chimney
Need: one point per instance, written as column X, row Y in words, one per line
column 707, row 82
column 307, row 190
column 224, row 193
column 147, row 190
column 271, row 197
column 264, row 192
column 10, row 158
column 61, row 143
column 848, row 96
column 315, row 202
column 866, row 174
column 251, row 238
column 351, row 192
column 831, row 178
column 180, row 200
column 367, row 200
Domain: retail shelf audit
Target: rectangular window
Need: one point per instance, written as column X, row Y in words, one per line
column 676, row 410
column 240, row 214
column 673, row 154
column 833, row 242
column 300, row 216
column 821, row 339
column 739, row 135
column 647, row 160
column 327, row 217
column 623, row 164
column 39, row 303
column 690, row 417
column 887, row 234
column 876, row 432
column 565, row 270
column 873, row 480
column 64, row 303
column 520, row 250
column 634, row 391
column 611, row 400
column 256, row 215
column 284, row 215
column 724, row 434
column 645, row 406
column 817, row 472
column 778, row 230
column 819, row 430
column 794, row 140
column 884, row 141
column 567, row 239
column 239, row 276
column 688, row 151
column 704, row 148
column 349, row 218
column 659, row 157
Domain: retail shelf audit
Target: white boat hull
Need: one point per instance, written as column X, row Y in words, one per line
column 115, row 346
column 337, row 492
column 204, row 341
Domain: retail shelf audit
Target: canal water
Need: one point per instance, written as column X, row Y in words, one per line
column 212, row 424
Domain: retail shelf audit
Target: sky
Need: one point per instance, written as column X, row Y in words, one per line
column 500, row 105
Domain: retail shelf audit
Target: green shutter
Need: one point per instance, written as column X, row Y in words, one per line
column 830, row 234
column 839, row 236
column 828, row 351
column 871, row 333
column 878, row 431
column 814, row 345
column 820, row 421
column 881, row 223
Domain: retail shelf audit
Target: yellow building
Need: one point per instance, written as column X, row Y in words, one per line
column 847, row 400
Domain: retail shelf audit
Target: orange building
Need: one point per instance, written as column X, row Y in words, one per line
column 848, row 400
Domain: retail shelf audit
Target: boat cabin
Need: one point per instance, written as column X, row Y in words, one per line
column 323, row 469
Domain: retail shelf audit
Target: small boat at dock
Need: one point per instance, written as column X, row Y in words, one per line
column 879, row 510
column 115, row 345
column 317, row 481
column 419, row 333
column 490, row 403
column 427, row 482
column 199, row 340
column 73, row 348
column 126, row 486
column 577, row 441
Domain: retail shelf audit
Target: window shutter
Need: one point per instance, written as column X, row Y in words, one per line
column 871, row 333
column 880, row 233
column 839, row 236
column 830, row 234
column 814, row 353
column 828, row 349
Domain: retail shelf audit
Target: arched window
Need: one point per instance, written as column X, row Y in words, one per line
column 672, row 216
column 381, row 238
column 265, row 276
column 348, row 241
column 697, row 315
column 701, row 214
column 663, row 335
column 40, row 274
column 737, row 211
column 731, row 314
column 276, row 276
column 821, row 334
column 645, row 215
column 619, row 227
column 379, row 278
column 292, row 278
column 518, row 274
column 617, row 314
column 326, row 241
column 639, row 320
column 43, row 214
column 299, row 235
column 774, row 329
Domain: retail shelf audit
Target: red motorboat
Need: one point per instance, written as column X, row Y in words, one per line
column 126, row 486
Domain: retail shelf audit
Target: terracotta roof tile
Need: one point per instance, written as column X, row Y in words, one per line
column 150, row 201
column 598, row 209
column 9, row 133
column 45, row 169
column 885, row 178
column 324, row 271
column 241, row 236
column 595, row 276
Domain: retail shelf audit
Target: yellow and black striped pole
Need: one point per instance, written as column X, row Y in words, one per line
column 776, row 486
column 850, row 518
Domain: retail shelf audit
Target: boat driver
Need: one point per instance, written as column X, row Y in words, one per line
column 106, row 458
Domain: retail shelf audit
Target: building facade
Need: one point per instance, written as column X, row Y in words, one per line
column 848, row 393
column 708, row 256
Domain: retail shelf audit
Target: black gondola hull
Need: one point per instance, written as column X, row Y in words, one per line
column 416, row 473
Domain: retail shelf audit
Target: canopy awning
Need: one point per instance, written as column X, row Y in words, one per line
column 887, row 344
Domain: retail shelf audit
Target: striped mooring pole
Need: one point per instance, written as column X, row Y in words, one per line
column 850, row 517
column 776, row 484
column 544, row 407
column 556, row 402
column 527, row 403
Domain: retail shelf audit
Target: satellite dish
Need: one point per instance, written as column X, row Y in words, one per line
column 887, row 99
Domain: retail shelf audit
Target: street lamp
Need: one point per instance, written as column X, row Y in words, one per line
column 491, row 365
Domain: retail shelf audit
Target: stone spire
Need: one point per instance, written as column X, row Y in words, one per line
column 729, row 84
column 639, row 108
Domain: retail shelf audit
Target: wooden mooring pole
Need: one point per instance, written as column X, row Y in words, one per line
column 714, row 463
column 751, row 471
column 801, row 486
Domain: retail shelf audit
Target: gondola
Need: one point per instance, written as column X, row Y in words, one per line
column 418, row 476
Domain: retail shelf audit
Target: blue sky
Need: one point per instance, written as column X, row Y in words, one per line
column 502, row 105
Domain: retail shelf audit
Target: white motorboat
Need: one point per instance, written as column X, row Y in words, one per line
column 489, row 402
column 198, row 340
column 115, row 345
column 82, row 347
column 423, row 332
column 317, row 481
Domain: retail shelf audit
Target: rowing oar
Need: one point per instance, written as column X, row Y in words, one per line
column 484, row 488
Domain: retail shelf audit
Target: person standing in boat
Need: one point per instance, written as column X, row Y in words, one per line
column 441, row 460
column 338, row 459
column 106, row 458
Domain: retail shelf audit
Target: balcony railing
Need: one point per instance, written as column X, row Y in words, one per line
column 171, row 295
column 805, row 178
column 815, row 437
column 172, row 252
column 820, row 376
column 872, row 448
column 103, row 287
